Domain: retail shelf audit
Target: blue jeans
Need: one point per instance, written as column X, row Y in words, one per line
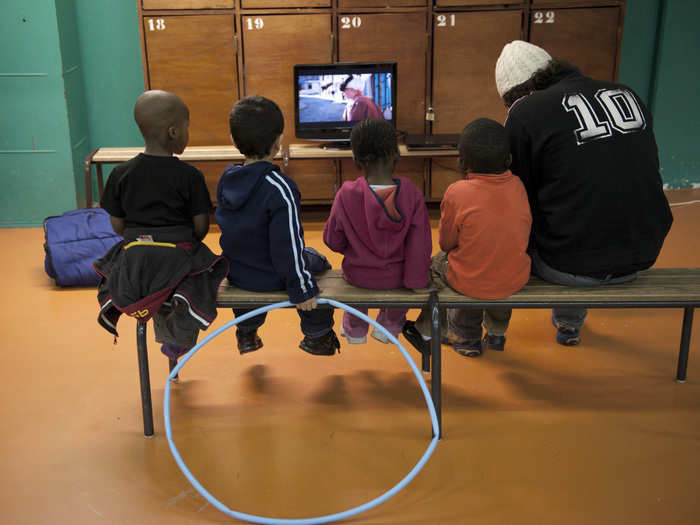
column 571, row 318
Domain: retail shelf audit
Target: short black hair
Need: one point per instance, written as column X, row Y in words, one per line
column 549, row 75
column 255, row 124
column 373, row 140
column 484, row 147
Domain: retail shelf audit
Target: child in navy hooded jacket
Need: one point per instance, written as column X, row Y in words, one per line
column 381, row 226
column 261, row 232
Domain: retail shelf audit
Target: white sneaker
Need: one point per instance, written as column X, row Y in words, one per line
column 380, row 336
column 353, row 340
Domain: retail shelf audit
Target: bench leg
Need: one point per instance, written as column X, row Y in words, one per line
column 172, row 364
column 685, row 344
column 145, row 380
column 436, row 358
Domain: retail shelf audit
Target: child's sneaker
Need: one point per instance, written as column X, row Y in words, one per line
column 568, row 337
column 380, row 336
column 413, row 336
column 468, row 347
column 326, row 344
column 353, row 340
column 248, row 341
column 494, row 342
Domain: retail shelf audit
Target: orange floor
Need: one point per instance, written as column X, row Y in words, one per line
column 539, row 434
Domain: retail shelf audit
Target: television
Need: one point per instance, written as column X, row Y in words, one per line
column 329, row 99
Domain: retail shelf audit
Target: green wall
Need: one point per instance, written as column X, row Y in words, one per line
column 70, row 71
column 674, row 100
column 36, row 165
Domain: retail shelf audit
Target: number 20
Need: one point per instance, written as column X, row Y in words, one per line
column 347, row 23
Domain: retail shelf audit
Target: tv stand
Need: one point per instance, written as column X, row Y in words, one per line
column 342, row 145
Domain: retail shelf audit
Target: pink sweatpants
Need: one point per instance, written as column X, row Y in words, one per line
column 390, row 318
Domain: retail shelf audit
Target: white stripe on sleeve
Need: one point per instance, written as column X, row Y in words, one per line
column 293, row 237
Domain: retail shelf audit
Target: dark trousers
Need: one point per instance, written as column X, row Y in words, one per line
column 314, row 323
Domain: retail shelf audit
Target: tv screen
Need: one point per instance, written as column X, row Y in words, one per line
column 329, row 99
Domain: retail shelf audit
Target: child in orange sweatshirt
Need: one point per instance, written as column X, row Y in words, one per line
column 484, row 231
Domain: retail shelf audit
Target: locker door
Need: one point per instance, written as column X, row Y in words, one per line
column 587, row 38
column 409, row 168
column 187, row 4
column 250, row 4
column 466, row 46
column 393, row 37
column 450, row 3
column 194, row 57
column 382, row 3
column 272, row 44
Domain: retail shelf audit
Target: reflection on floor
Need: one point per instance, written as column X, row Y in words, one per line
column 538, row 434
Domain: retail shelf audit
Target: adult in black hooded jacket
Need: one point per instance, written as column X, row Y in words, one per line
column 586, row 153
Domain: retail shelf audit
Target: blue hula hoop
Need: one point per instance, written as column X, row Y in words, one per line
column 319, row 519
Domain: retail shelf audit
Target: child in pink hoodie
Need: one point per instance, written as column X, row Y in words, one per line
column 380, row 224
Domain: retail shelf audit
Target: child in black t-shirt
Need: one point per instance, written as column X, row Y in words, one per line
column 160, row 205
column 156, row 189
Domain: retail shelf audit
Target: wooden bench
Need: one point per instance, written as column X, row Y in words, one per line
column 655, row 288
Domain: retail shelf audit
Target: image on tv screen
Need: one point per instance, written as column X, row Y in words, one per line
column 344, row 97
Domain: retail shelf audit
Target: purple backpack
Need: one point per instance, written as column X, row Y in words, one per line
column 73, row 241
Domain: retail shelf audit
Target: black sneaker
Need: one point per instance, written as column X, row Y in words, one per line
column 248, row 341
column 494, row 342
column 413, row 336
column 568, row 337
column 326, row 344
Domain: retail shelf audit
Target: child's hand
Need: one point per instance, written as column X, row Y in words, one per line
column 428, row 289
column 309, row 304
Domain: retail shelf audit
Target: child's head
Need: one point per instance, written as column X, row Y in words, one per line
column 484, row 147
column 373, row 143
column 164, row 120
column 256, row 126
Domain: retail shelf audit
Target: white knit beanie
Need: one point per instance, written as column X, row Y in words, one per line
column 518, row 62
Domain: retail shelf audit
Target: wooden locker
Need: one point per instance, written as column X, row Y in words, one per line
column 254, row 4
column 588, row 38
column 452, row 3
column 212, row 173
column 317, row 179
column 391, row 37
column 381, row 3
column 443, row 172
column 194, row 57
column 409, row 168
column 466, row 47
column 572, row 3
column 187, row 4
column 272, row 44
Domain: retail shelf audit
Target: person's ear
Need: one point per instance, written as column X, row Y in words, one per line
column 172, row 132
column 277, row 146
